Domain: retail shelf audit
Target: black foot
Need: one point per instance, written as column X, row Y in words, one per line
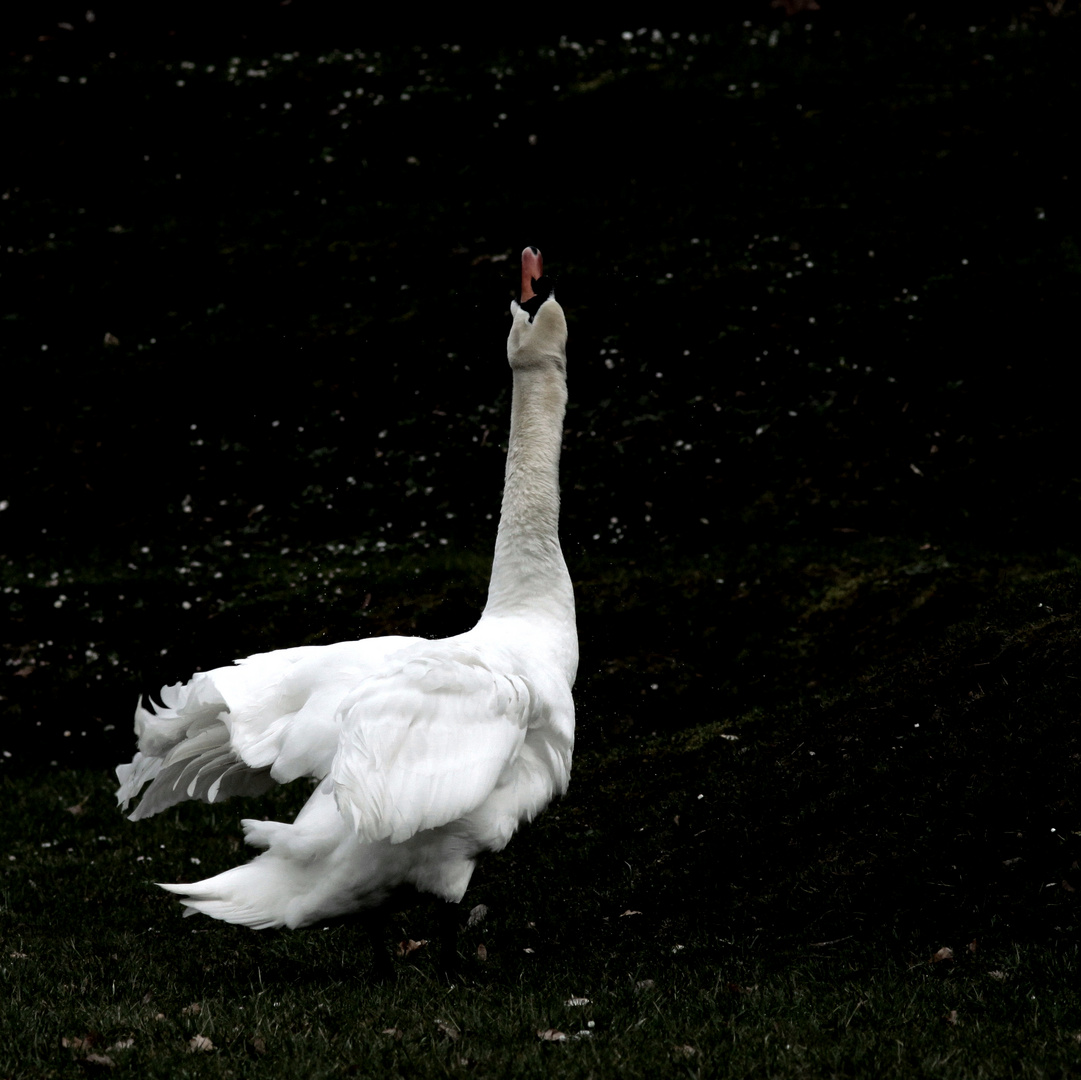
column 382, row 964
column 448, row 962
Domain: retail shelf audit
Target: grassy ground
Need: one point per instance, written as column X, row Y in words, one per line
column 820, row 501
column 880, row 876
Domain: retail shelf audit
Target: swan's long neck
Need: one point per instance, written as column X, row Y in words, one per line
column 528, row 572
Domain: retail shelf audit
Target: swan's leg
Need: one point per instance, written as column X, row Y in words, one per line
column 448, row 941
column 375, row 925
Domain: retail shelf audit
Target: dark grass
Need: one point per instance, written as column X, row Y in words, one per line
column 826, row 570
column 764, row 890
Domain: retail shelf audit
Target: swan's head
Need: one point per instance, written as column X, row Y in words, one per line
column 540, row 341
column 538, row 335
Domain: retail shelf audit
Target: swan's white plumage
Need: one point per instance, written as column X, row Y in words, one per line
column 425, row 753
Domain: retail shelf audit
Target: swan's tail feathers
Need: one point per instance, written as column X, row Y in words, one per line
column 276, row 888
column 185, row 753
column 257, row 894
column 313, row 869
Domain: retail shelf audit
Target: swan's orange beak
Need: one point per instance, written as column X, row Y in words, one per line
column 532, row 270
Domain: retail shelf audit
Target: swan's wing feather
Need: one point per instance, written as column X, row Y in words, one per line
column 427, row 742
column 271, row 717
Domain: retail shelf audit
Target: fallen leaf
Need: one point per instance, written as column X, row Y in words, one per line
column 629, row 912
column 122, row 1044
column 477, row 915
column 394, row 1033
column 194, row 1009
column 945, row 953
column 78, row 808
column 951, row 1017
column 482, row 952
column 1000, row 976
column 100, row 1059
column 644, row 984
column 410, row 946
column 686, row 1051
column 257, row 1044
column 575, row 1002
column 448, row 1029
column 551, row 1035
column 199, row 1044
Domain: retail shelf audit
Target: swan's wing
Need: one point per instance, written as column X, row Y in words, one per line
column 427, row 741
column 271, row 717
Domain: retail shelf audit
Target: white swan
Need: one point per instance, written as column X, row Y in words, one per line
column 426, row 753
